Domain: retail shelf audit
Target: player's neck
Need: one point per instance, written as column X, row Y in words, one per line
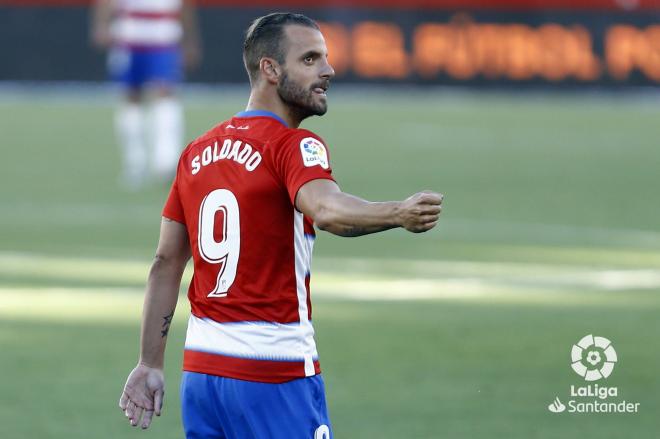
column 274, row 106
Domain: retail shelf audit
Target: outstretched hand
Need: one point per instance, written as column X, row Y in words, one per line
column 143, row 395
column 420, row 212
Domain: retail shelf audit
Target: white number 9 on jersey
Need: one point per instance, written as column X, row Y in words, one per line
column 226, row 251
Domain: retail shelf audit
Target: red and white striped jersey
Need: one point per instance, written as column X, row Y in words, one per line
column 147, row 23
column 235, row 191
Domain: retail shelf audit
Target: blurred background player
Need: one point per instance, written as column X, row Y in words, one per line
column 149, row 43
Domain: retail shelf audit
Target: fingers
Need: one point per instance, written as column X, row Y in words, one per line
column 424, row 227
column 130, row 410
column 157, row 407
column 427, row 209
column 137, row 414
column 123, row 401
column 428, row 197
column 425, row 219
column 134, row 412
column 142, row 396
column 158, row 401
column 146, row 419
column 422, row 211
column 429, row 226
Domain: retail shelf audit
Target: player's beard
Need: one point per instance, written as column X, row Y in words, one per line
column 301, row 101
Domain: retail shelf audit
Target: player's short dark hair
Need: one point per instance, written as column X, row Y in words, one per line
column 265, row 38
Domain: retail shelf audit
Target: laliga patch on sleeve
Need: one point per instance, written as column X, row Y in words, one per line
column 313, row 152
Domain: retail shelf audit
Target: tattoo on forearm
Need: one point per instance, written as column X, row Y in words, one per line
column 166, row 324
column 354, row 231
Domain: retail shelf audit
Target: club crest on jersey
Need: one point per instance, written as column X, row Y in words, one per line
column 313, row 152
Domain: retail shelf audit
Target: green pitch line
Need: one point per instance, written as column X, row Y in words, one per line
column 116, row 306
column 392, row 278
column 123, row 306
column 86, row 293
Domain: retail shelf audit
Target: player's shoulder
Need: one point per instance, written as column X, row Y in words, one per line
column 299, row 137
column 203, row 139
column 301, row 133
column 307, row 145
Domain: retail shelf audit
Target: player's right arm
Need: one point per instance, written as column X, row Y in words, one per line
column 102, row 12
column 145, row 386
column 347, row 215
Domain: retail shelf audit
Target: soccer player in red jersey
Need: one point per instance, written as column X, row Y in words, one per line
column 244, row 203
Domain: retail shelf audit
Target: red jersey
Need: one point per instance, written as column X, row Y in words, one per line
column 235, row 190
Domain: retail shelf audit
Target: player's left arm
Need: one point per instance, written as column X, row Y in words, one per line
column 191, row 44
column 344, row 214
column 142, row 396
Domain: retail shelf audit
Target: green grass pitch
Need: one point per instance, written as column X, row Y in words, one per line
column 550, row 231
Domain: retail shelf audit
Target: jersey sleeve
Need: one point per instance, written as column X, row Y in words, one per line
column 302, row 158
column 173, row 208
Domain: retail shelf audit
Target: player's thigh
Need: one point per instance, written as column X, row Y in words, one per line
column 163, row 68
column 293, row 410
column 126, row 67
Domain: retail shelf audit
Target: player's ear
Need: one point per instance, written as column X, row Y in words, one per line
column 270, row 70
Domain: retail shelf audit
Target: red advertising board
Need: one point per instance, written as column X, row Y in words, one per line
column 517, row 5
